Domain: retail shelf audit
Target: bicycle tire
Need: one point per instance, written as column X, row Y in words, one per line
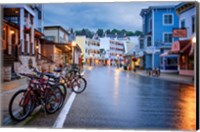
column 63, row 90
column 22, row 101
column 60, row 95
column 51, row 104
column 76, row 86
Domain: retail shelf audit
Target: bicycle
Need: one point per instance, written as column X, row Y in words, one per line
column 37, row 93
column 72, row 79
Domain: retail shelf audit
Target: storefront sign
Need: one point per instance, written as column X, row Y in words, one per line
column 175, row 46
column 181, row 33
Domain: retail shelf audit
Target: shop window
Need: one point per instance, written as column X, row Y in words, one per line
column 172, row 61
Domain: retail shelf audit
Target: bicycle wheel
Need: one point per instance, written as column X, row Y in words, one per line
column 59, row 95
column 51, row 101
column 79, row 85
column 63, row 89
column 20, row 105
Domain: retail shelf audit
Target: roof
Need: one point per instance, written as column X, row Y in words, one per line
column 148, row 10
column 56, row 26
column 184, row 6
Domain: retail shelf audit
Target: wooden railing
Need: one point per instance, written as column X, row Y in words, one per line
column 43, row 57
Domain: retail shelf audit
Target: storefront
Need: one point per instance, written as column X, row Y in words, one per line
column 169, row 62
column 185, row 50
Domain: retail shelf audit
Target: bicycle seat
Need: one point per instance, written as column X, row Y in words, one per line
column 50, row 75
column 57, row 70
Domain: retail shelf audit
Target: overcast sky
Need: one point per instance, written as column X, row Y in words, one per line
column 98, row 15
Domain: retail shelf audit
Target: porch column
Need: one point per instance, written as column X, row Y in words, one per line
column 28, row 35
column 22, row 29
column 32, row 36
column 9, row 41
column 39, row 48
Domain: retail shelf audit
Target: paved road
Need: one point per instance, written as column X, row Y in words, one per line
column 116, row 99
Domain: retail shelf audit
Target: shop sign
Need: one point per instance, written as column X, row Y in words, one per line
column 181, row 33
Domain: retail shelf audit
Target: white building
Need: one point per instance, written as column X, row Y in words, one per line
column 90, row 48
column 130, row 43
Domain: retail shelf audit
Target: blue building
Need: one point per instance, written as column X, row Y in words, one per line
column 158, row 24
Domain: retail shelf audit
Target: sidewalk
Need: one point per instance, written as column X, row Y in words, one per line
column 170, row 77
column 7, row 91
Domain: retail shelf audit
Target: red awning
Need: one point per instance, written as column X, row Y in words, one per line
column 181, row 46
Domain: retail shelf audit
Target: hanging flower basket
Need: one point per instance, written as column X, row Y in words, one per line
column 134, row 59
column 27, row 30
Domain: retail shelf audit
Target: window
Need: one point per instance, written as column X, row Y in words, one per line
column 193, row 24
column 39, row 14
column 168, row 19
column 148, row 41
column 183, row 24
column 168, row 38
column 141, row 44
column 50, row 38
column 150, row 24
column 172, row 62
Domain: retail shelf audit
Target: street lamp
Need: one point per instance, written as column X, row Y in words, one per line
column 193, row 40
column 192, row 45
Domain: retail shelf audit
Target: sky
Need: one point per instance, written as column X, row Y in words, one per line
column 124, row 15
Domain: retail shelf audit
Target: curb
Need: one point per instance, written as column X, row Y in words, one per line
column 9, row 121
column 160, row 78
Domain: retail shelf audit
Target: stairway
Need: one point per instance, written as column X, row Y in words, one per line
column 8, row 68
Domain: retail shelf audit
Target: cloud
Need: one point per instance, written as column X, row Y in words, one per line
column 97, row 15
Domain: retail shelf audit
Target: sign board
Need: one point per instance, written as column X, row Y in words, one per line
column 181, row 33
column 175, row 46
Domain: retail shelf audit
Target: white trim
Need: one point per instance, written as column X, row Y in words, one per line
column 163, row 19
column 152, row 39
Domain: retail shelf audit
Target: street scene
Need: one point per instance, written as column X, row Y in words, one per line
column 71, row 74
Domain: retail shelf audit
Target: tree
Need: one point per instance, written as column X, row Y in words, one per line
column 138, row 33
column 100, row 32
column 108, row 31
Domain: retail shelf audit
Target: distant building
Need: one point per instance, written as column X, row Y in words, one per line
column 90, row 48
column 158, row 24
column 57, row 47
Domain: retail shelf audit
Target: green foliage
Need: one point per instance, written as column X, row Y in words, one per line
column 101, row 33
column 85, row 32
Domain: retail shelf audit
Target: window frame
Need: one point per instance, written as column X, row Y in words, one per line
column 164, row 33
column 163, row 20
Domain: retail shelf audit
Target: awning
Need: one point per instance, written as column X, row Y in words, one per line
column 38, row 33
column 181, row 46
column 164, row 54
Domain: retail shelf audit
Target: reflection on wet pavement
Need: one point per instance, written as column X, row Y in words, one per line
column 118, row 99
